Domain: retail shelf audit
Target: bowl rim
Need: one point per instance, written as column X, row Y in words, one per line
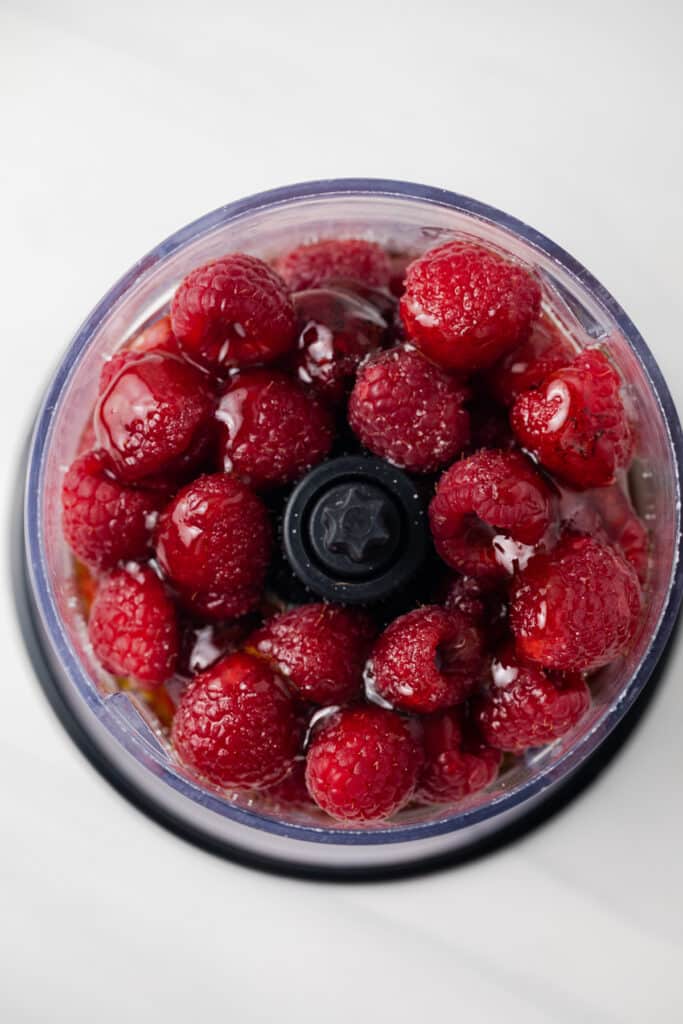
column 44, row 599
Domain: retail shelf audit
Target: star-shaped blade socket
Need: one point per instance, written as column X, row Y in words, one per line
column 358, row 523
column 355, row 529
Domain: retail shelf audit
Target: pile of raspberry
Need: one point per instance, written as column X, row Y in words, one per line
column 449, row 367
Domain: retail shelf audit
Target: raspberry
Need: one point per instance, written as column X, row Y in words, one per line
column 133, row 627
column 103, row 521
column 112, row 367
column 525, row 368
column 485, row 605
column 575, row 423
column 272, row 431
column 153, row 417
column 529, row 707
column 481, row 498
column 234, row 311
column 606, row 514
column 157, row 338
column 291, row 794
column 236, row 725
column 465, row 306
column 427, row 659
column 363, row 764
column 457, row 763
column 406, row 410
column 577, row 607
column 310, row 266
column 320, row 649
column 464, row 594
column 214, row 543
column 625, row 529
column 336, row 330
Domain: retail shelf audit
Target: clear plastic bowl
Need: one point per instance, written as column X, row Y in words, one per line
column 109, row 723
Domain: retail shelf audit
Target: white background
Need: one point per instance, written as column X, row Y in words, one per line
column 118, row 124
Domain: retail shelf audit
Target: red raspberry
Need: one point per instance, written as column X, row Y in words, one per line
column 427, row 660
column 133, row 627
column 272, row 431
column 234, row 311
column 625, row 529
column 153, row 417
column 406, row 410
column 525, row 368
column 103, row 521
column 214, row 543
column 362, row 764
column 529, row 707
column 157, row 338
column 457, row 763
column 576, row 608
column 465, row 306
column 320, row 649
column 575, row 423
column 481, row 498
column 291, row 794
column 310, row 266
column 633, row 540
column 336, row 331
column 112, row 367
column 464, row 594
column 481, row 602
column 236, row 725
column 606, row 514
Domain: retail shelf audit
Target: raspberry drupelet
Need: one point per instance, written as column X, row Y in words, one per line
column 271, row 430
column 465, row 306
column 363, row 764
column 291, row 794
column 575, row 423
column 625, row 528
column 214, row 542
column 427, row 659
column 320, row 649
column 457, row 761
column 409, row 411
column 234, row 311
column 352, row 259
column 576, row 608
column 133, row 626
column 158, row 337
column 236, row 725
column 488, row 510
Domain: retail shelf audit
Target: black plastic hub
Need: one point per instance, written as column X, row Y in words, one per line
column 354, row 530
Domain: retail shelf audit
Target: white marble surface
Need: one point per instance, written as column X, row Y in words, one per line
column 118, row 124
